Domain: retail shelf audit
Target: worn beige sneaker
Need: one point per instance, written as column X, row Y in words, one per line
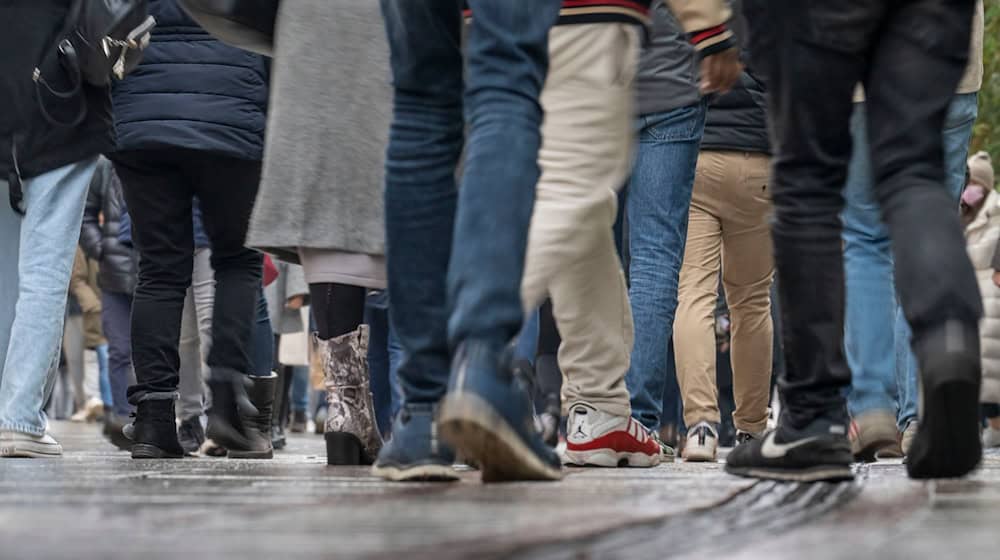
column 871, row 432
column 17, row 444
column 702, row 444
column 908, row 434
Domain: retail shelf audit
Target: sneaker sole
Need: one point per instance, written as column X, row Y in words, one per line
column 948, row 444
column 146, row 451
column 824, row 473
column 416, row 473
column 28, row 451
column 610, row 459
column 475, row 429
column 699, row 456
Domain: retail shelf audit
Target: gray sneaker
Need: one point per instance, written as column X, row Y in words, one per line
column 17, row 444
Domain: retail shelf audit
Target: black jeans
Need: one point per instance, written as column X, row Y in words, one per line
column 909, row 55
column 159, row 187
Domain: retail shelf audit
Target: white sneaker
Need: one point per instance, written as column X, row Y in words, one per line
column 702, row 443
column 991, row 437
column 600, row 439
column 17, row 444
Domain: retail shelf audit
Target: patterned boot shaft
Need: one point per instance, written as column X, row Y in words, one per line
column 348, row 388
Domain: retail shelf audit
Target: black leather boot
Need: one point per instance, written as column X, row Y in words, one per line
column 231, row 406
column 261, row 395
column 155, row 431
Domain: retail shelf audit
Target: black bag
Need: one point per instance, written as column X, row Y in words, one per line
column 245, row 24
column 101, row 40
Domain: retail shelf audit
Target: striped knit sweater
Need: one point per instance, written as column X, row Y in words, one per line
column 704, row 20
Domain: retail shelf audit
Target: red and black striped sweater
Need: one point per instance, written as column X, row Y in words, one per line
column 704, row 20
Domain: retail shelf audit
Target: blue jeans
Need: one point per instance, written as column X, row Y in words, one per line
column 116, row 313
column 262, row 344
column 384, row 357
column 37, row 252
column 659, row 195
column 456, row 256
column 299, row 399
column 877, row 336
column 104, row 379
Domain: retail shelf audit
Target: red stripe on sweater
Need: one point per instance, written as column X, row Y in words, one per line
column 708, row 33
column 639, row 6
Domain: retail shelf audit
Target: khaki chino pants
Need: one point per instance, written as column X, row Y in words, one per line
column 728, row 229
column 586, row 156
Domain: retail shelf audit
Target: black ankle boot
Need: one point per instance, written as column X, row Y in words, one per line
column 155, row 431
column 261, row 395
column 226, row 423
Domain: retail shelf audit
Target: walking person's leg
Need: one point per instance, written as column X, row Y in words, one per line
column 658, row 199
column 816, row 55
column 958, row 126
column 73, row 350
column 694, row 328
column 585, row 158
column 934, row 277
column 238, row 269
column 39, row 246
column 747, row 270
column 159, row 201
column 116, row 313
column 871, row 303
column 191, row 386
column 486, row 253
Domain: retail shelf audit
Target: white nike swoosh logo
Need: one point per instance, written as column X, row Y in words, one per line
column 772, row 450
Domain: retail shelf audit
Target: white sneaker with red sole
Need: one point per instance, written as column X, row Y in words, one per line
column 599, row 439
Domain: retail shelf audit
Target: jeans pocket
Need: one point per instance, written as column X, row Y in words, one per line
column 685, row 124
column 841, row 25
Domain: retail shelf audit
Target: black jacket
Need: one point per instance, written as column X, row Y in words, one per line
column 192, row 91
column 30, row 31
column 737, row 120
column 100, row 240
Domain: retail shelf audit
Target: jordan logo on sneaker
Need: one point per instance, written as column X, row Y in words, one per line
column 772, row 450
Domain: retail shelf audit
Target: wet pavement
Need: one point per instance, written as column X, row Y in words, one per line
column 97, row 503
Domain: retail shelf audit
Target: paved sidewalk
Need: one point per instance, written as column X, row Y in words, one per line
column 97, row 503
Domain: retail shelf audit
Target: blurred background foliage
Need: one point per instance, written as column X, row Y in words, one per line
column 987, row 131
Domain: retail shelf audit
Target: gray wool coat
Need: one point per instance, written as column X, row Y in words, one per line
column 328, row 124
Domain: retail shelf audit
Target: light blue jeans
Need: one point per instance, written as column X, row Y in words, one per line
column 657, row 203
column 883, row 366
column 37, row 252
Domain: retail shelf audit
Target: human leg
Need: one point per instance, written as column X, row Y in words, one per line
column 962, row 113
column 747, row 270
column 588, row 135
column 817, row 57
column 698, row 291
column 159, row 201
column 45, row 237
column 658, row 199
column 934, row 278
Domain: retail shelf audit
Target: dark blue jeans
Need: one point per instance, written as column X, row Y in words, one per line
column 262, row 344
column 456, row 256
column 116, row 313
column 384, row 357
column 659, row 195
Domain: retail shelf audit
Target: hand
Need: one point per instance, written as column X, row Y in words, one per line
column 996, row 278
column 720, row 71
column 295, row 302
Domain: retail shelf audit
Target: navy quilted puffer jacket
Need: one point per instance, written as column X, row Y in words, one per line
column 192, row 91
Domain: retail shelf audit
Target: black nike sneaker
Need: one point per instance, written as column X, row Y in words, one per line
column 794, row 456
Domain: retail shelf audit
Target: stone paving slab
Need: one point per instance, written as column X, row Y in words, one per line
column 98, row 503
